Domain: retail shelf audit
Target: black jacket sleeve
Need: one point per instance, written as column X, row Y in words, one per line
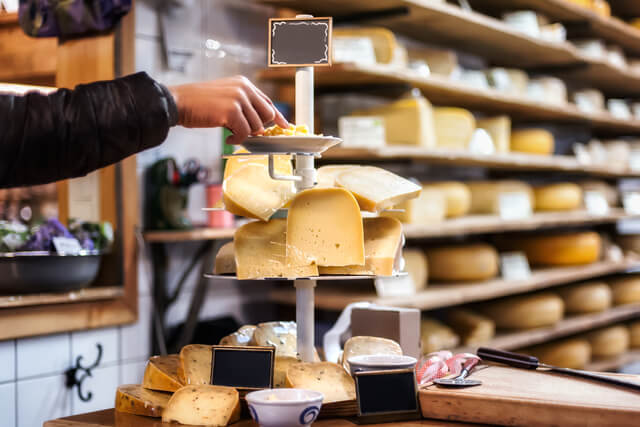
column 69, row 133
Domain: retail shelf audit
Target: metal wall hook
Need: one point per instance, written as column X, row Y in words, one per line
column 72, row 374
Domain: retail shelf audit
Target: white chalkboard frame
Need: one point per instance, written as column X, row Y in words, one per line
column 270, row 64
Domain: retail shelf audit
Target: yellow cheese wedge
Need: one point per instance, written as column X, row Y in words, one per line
column 134, row 399
column 281, row 335
column 558, row 249
column 195, row 364
column 609, row 342
column 462, row 263
column 500, row 130
column 458, row 197
column 626, row 289
column 634, row 334
column 383, row 40
column 574, row 353
column 161, row 373
column 280, row 368
column 324, row 227
column 454, row 127
column 377, row 189
column 590, row 297
column 203, row 405
column 261, row 251
column 243, row 336
column 225, row 261
column 472, row 327
column 415, row 263
column 565, row 196
column 363, row 346
column 532, row 141
column 435, row 336
column 485, row 195
column 327, row 174
column 328, row 378
column 382, row 247
column 526, row 311
column 428, row 208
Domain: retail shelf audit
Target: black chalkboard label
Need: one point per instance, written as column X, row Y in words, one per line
column 247, row 368
column 386, row 393
column 297, row 42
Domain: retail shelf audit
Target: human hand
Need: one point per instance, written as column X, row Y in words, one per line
column 233, row 102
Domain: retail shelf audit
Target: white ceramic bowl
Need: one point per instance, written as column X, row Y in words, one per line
column 379, row 362
column 284, row 407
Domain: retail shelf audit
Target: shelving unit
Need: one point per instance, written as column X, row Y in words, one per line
column 614, row 363
column 82, row 295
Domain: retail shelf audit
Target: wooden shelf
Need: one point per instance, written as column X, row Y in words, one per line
column 613, row 363
column 196, row 234
column 8, row 18
column 436, row 296
column 614, row 81
column 88, row 294
column 442, row 91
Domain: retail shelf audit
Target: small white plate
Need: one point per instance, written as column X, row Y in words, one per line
column 290, row 144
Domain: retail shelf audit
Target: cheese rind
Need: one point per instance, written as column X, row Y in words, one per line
column 485, row 195
column 457, row 195
column 436, row 336
column 161, row 373
column 590, row 297
column 462, row 262
column 558, row 197
column 363, row 346
column 454, row 127
column 609, row 342
column 137, row 400
column 415, row 263
column 626, row 290
column 577, row 248
column 472, row 327
column 328, row 378
column 225, row 262
column 203, row 405
column 532, row 141
column 572, row 353
column 526, row 312
column 195, row 364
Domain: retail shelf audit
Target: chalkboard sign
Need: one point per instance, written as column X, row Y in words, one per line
column 391, row 394
column 248, row 368
column 298, row 42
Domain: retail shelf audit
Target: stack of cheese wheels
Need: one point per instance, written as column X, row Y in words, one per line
column 590, row 297
column 565, row 196
column 462, row 262
column 525, row 311
column 486, row 195
column 472, row 327
column 573, row 353
column 457, row 197
column 436, row 336
column 626, row 289
column 634, row 334
column 532, row 141
column 416, row 264
column 609, row 342
column 575, row 248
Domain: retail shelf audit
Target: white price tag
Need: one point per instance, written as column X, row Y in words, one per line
column 514, row 205
column 358, row 50
column 361, row 132
column 634, row 161
column 596, row 203
column 395, row 286
column 631, row 203
column 67, row 245
column 514, row 266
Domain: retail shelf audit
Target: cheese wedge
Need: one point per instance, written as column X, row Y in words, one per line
column 609, row 342
column 454, row 127
column 574, row 353
column 281, row 335
column 485, row 195
column 457, row 195
column 225, row 261
column 203, row 405
column 565, row 196
column 577, row 248
column 532, row 141
column 261, row 251
column 462, row 263
column 324, row 228
column 377, row 189
column 161, row 373
column 415, row 263
column 472, row 327
column 243, row 336
column 590, row 297
column 135, row 399
column 364, row 346
column 526, row 311
column 327, row 174
column 195, row 364
column 280, row 368
column 383, row 40
column 382, row 248
column 428, row 208
column 328, row 378
column 626, row 289
column 435, row 336
column 634, row 334
column 500, row 130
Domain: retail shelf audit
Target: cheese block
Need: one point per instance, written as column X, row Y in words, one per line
column 382, row 248
column 428, row 208
column 225, row 262
column 441, row 62
column 243, row 336
column 576, row 248
column 383, row 40
column 532, row 141
column 609, row 192
column 590, row 297
column 472, row 327
column 511, row 81
column 590, row 101
column 161, row 373
column 327, row 174
column 485, row 195
column 457, row 195
column 415, row 263
column 408, row 121
column 462, row 262
column 328, row 378
column 574, row 353
column 281, row 335
column 500, row 130
column 195, row 364
column 634, row 334
column 135, row 399
column 363, row 346
column 280, row 368
column 261, row 251
column 626, row 289
column 525, row 311
column 548, row 90
column 203, row 405
column 609, row 342
column 454, row 127
column 435, row 336
column 324, row 228
column 564, row 196
column 376, row 189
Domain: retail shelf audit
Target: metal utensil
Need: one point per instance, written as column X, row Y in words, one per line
column 524, row 361
column 461, row 380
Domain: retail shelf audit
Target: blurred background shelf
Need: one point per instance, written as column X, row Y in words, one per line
column 195, row 234
column 625, row 8
column 613, row 363
column 88, row 294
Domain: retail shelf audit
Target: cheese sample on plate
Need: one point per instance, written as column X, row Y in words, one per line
column 500, row 130
column 634, row 334
column 292, row 130
column 225, row 262
column 626, row 289
column 415, row 263
column 576, row 248
column 161, row 373
column 590, row 297
column 472, row 327
column 203, row 405
column 363, row 346
column 457, row 195
column 261, row 251
column 281, row 335
column 532, row 141
column 429, row 207
column 327, row 174
column 462, row 262
column 328, row 378
column 573, row 353
column 436, row 336
column 525, row 311
column 382, row 249
column 454, row 127
column 195, row 364
column 486, row 195
column 377, row 189
column 609, row 342
column 135, row 399
column 565, row 196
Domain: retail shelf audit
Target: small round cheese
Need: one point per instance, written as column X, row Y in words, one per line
column 626, row 290
column 609, row 342
column 558, row 197
column 462, row 263
column 526, row 311
column 572, row 353
column 590, row 297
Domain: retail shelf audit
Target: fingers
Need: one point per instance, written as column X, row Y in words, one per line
column 278, row 118
column 239, row 125
column 251, row 115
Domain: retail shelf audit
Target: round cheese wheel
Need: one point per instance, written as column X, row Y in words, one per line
column 473, row 328
column 609, row 342
column 533, row 141
column 558, row 249
column 626, row 290
column 457, row 195
column 415, row 263
column 590, row 297
column 573, row 353
column 485, row 195
column 634, row 334
column 558, row 197
column 526, row 311
column 462, row 263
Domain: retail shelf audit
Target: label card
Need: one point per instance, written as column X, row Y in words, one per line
column 631, row 203
column 514, row 205
column 67, row 245
column 356, row 50
column 391, row 394
column 361, row 132
column 514, row 266
column 394, row 286
column 596, row 203
column 300, row 42
column 243, row 367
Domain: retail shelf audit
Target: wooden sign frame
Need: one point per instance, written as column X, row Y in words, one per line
column 261, row 349
column 377, row 417
column 329, row 42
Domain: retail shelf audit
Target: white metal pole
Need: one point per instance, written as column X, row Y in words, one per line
column 305, row 318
